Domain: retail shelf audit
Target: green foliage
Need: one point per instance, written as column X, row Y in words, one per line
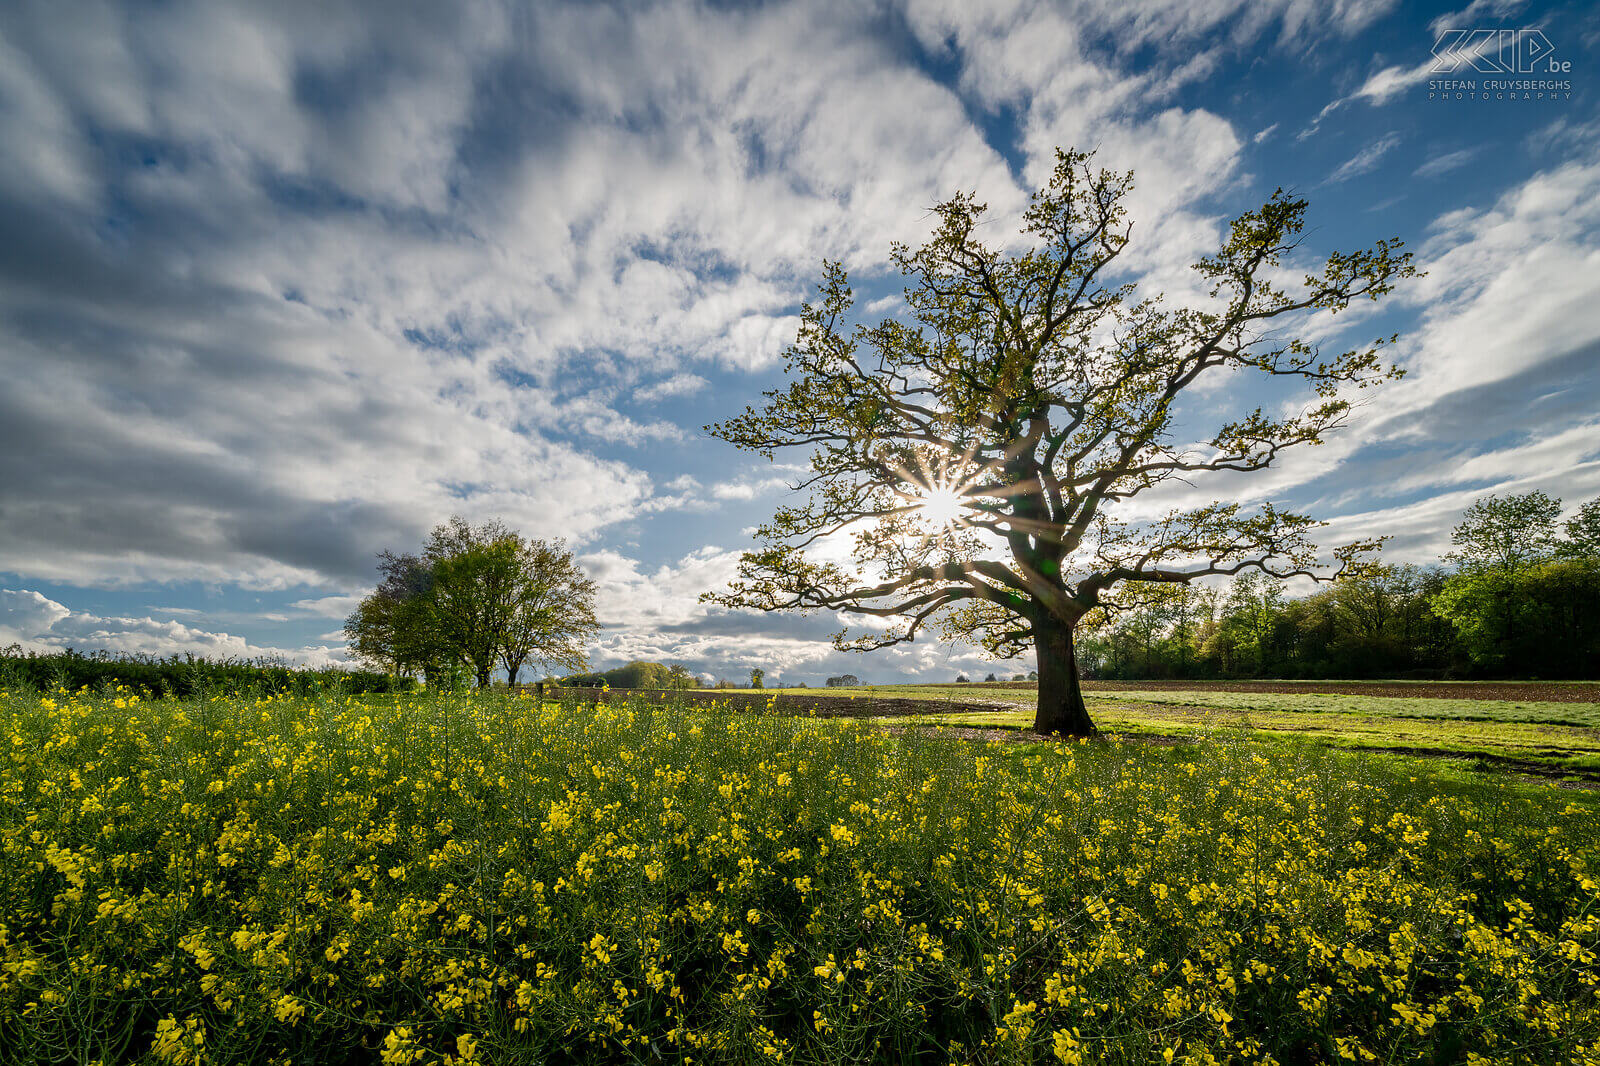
column 757, row 677
column 1027, row 396
column 476, row 599
column 1505, row 532
column 637, row 674
column 1540, row 619
column 1583, row 531
column 183, row 675
column 1523, row 603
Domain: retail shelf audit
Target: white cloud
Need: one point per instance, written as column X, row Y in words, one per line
column 1475, row 15
column 327, row 606
column 1367, row 159
column 1443, row 164
column 24, row 614
column 41, row 624
column 1507, row 288
column 676, row 385
column 749, row 488
column 1386, row 84
column 669, row 595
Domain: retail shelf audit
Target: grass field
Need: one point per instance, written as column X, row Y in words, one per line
column 1557, row 736
column 488, row 878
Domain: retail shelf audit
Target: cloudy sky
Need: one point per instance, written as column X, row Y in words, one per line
column 285, row 285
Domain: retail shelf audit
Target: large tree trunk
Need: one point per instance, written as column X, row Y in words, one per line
column 1061, row 710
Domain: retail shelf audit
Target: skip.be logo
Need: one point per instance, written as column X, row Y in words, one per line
column 1497, row 52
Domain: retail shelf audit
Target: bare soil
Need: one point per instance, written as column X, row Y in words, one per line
column 1520, row 691
column 819, row 705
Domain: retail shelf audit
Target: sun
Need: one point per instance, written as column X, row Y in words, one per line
column 941, row 505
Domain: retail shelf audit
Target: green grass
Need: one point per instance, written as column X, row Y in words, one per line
column 1562, row 737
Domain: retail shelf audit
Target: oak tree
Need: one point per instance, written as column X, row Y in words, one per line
column 969, row 460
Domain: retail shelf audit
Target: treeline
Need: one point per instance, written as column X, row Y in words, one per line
column 182, row 675
column 639, row 674
column 644, row 674
column 1518, row 597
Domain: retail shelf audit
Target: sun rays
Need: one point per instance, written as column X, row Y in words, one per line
column 940, row 506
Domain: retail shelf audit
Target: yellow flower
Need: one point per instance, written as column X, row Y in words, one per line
column 288, row 1009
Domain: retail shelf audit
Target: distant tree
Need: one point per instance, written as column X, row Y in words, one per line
column 978, row 447
column 475, row 598
column 725, row 683
column 391, row 629
column 1371, row 601
column 638, row 674
column 991, row 677
column 756, row 677
column 679, row 677
column 1242, row 639
column 1539, row 619
column 1583, row 531
column 962, row 679
column 1505, row 532
column 844, row 681
column 1018, row 677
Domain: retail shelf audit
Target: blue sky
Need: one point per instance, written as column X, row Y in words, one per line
column 282, row 287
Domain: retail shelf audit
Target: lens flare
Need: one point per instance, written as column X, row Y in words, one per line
column 941, row 505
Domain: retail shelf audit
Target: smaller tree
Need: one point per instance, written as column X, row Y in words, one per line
column 476, row 597
column 1542, row 619
column 548, row 617
column 1583, row 531
column 392, row 629
column 757, row 677
column 1506, row 532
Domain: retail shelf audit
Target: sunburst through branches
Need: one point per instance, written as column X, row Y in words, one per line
column 935, row 493
column 940, row 506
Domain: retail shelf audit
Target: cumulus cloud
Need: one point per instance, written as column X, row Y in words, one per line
column 327, row 606
column 667, row 388
column 40, row 624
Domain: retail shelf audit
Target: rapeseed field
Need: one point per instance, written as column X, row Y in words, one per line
column 459, row 879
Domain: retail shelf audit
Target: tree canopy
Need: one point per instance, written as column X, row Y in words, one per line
column 973, row 454
column 1505, row 532
column 476, row 599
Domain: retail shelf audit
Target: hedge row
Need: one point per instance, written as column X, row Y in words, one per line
column 185, row 675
